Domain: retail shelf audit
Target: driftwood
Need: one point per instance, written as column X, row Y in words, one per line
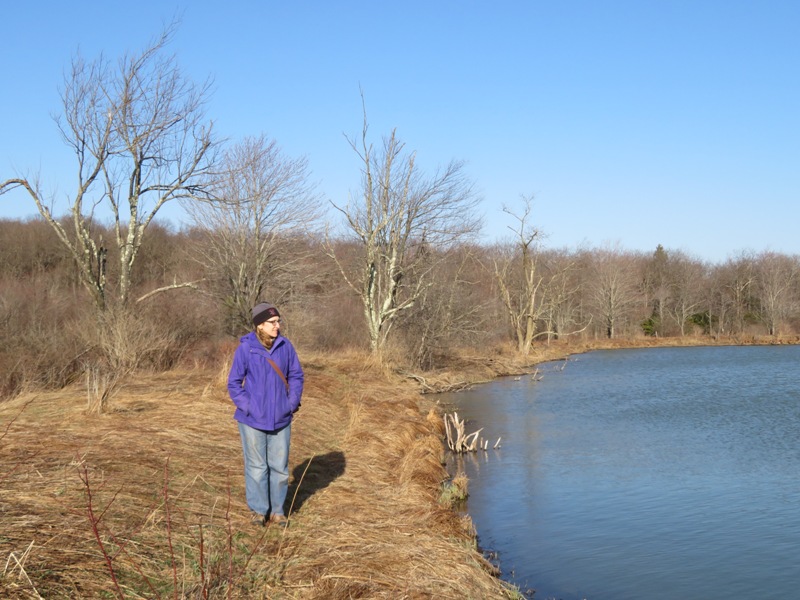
column 458, row 440
column 437, row 387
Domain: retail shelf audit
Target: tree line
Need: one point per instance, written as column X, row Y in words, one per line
column 464, row 296
column 108, row 289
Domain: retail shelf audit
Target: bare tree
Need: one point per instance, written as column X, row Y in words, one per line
column 265, row 201
column 614, row 286
column 686, row 277
column 563, row 310
column 450, row 312
column 735, row 283
column 776, row 276
column 519, row 279
column 138, row 132
column 404, row 222
column 718, row 305
column 537, row 294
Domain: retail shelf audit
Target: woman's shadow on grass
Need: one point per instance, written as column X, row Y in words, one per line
column 313, row 475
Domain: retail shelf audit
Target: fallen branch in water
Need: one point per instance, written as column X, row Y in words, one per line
column 459, row 441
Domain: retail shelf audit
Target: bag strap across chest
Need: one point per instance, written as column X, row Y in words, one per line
column 279, row 372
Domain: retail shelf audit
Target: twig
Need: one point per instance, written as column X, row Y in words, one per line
column 202, row 566
column 230, row 538
column 173, row 286
column 20, row 566
column 169, row 532
column 294, row 497
column 95, row 523
column 16, row 416
column 369, row 579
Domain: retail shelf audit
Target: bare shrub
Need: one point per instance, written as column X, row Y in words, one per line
column 190, row 318
column 120, row 342
column 330, row 322
column 448, row 312
column 29, row 248
column 101, row 384
column 37, row 350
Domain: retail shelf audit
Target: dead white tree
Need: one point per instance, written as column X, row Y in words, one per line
column 519, row 278
column 139, row 135
column 404, row 221
column 531, row 294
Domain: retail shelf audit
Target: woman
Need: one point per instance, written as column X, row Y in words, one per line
column 266, row 384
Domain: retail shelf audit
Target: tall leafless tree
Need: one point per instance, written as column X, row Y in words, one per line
column 537, row 296
column 776, row 276
column 404, row 221
column 614, row 286
column 737, row 291
column 265, row 201
column 138, row 132
column 518, row 277
column 563, row 310
column 687, row 278
column 450, row 313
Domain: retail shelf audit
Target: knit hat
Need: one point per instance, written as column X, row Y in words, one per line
column 264, row 311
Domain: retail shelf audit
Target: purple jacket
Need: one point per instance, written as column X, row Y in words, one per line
column 257, row 390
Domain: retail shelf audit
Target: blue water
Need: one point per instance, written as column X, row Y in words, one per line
column 643, row 474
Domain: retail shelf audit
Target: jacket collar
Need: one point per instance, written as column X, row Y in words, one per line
column 252, row 340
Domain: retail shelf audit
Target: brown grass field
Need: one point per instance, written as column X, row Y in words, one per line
column 147, row 500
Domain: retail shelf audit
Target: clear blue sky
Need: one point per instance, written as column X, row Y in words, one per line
column 642, row 122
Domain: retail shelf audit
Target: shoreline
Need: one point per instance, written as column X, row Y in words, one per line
column 505, row 362
column 563, row 350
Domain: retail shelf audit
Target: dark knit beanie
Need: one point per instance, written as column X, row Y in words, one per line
column 263, row 311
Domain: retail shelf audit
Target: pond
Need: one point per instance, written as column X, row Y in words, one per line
column 651, row 473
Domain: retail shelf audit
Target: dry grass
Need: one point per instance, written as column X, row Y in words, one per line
column 148, row 501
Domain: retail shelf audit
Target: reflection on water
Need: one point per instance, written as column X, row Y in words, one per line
column 659, row 473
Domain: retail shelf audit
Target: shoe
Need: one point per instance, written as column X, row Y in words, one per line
column 279, row 520
column 258, row 520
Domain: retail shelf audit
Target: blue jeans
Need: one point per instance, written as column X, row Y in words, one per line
column 266, row 468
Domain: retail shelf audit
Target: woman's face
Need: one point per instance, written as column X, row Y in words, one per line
column 270, row 328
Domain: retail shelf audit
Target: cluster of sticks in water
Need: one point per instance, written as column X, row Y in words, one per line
column 459, row 441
